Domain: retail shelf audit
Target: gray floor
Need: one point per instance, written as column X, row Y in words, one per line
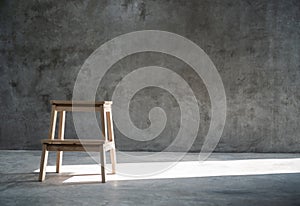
column 225, row 179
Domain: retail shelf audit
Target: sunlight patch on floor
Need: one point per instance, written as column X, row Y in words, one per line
column 186, row 169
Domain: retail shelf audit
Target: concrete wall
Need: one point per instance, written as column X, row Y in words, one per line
column 255, row 46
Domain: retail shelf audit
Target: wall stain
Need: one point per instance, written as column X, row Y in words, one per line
column 142, row 11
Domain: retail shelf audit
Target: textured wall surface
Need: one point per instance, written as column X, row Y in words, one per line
column 255, row 46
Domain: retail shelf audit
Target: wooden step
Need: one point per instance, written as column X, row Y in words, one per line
column 73, row 142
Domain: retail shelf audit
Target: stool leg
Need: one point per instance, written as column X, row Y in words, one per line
column 102, row 162
column 111, row 138
column 43, row 165
column 113, row 160
column 61, row 134
column 59, row 156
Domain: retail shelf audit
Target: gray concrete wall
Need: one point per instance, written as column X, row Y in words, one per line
column 255, row 46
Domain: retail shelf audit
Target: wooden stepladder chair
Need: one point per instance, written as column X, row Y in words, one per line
column 107, row 143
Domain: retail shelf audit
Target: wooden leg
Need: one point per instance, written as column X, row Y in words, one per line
column 103, row 123
column 102, row 162
column 111, row 139
column 52, row 122
column 43, row 165
column 59, row 156
column 61, row 134
column 113, row 160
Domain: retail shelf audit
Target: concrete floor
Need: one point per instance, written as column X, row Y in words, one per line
column 224, row 179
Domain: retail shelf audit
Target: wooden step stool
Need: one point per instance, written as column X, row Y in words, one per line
column 106, row 143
